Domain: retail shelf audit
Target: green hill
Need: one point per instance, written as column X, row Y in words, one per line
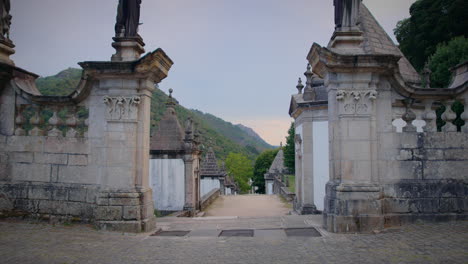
column 222, row 136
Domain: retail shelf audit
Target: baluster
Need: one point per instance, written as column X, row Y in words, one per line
column 464, row 117
column 36, row 120
column 72, row 122
column 55, row 121
column 19, row 121
column 86, row 124
column 449, row 116
column 430, row 117
column 409, row 116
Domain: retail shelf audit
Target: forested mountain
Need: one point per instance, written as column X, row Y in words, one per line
column 222, row 136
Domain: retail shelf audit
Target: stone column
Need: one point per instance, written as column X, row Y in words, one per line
column 307, row 185
column 119, row 110
column 190, row 192
column 352, row 195
column 298, row 169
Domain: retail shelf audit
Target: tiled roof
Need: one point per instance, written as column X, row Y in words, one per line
column 170, row 135
column 209, row 165
column 377, row 41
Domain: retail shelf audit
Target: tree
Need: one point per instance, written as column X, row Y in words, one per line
column 431, row 22
column 240, row 167
column 447, row 56
column 262, row 165
column 289, row 150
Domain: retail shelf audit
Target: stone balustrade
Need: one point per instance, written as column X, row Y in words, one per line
column 53, row 121
column 431, row 116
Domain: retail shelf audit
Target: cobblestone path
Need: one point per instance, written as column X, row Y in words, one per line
column 248, row 205
column 22, row 242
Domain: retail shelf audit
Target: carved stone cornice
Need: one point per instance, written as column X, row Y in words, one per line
column 324, row 61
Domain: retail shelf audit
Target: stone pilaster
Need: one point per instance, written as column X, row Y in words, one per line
column 119, row 110
column 352, row 193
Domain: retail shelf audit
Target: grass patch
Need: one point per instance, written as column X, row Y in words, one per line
column 292, row 183
column 157, row 213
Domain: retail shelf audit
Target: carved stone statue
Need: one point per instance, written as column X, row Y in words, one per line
column 346, row 12
column 5, row 19
column 128, row 18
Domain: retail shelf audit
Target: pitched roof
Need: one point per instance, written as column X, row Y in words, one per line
column 377, row 41
column 209, row 165
column 170, row 135
column 278, row 163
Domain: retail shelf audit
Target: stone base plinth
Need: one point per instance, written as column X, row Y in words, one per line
column 6, row 50
column 307, row 209
column 351, row 208
column 347, row 42
column 127, row 49
column 129, row 211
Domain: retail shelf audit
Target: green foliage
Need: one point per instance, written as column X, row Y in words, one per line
column 240, row 167
column 458, row 108
column 431, row 22
column 210, row 136
column 262, row 164
column 289, row 150
column 64, row 83
column 447, row 56
column 292, row 183
column 222, row 136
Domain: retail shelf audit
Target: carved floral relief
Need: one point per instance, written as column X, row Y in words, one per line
column 356, row 102
column 122, row 108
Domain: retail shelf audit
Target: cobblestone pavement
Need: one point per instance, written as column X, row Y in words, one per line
column 23, row 242
column 248, row 205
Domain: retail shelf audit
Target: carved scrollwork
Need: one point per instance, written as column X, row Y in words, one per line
column 356, row 102
column 122, row 108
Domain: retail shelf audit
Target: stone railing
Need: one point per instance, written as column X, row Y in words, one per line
column 209, row 198
column 430, row 116
column 52, row 121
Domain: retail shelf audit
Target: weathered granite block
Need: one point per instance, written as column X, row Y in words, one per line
column 24, row 157
column 92, row 195
column 396, row 205
column 26, row 144
column 4, row 157
column 124, row 201
column 66, row 145
column 456, row 154
column 50, row 158
column 77, row 195
column 6, row 203
column 109, row 213
column 5, row 172
column 446, row 170
column 434, row 154
column 434, row 140
column 78, row 160
column 454, row 140
column 30, row 172
column 40, row 192
column 425, row 205
column 59, row 194
column 452, row 205
column 131, row 212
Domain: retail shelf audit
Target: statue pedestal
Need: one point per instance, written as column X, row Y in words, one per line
column 127, row 49
column 6, row 49
column 347, row 42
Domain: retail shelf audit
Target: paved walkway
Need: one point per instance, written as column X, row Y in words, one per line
column 22, row 242
column 248, row 205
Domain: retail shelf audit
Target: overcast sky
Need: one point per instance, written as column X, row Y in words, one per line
column 236, row 59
